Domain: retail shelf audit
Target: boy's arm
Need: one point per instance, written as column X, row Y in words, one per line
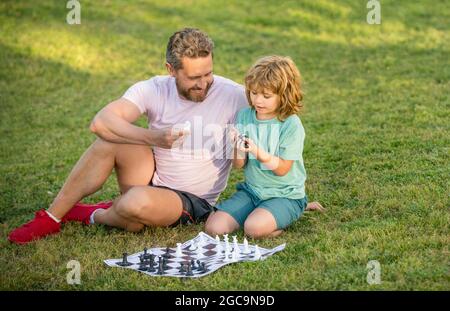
column 278, row 166
column 239, row 159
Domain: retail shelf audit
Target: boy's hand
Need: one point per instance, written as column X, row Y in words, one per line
column 315, row 206
column 245, row 144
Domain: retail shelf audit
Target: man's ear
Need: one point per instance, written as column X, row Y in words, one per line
column 170, row 69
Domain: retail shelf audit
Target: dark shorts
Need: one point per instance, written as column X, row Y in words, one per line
column 195, row 209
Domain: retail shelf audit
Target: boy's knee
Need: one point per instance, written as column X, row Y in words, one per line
column 254, row 230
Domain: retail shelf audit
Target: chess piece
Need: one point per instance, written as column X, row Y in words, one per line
column 124, row 262
column 167, row 253
column 160, row 267
column 179, row 252
column 227, row 243
column 227, row 255
column 193, row 246
column 142, row 266
column 182, row 269
column 236, row 245
column 234, row 255
column 189, row 270
column 257, row 255
column 246, row 248
column 199, row 253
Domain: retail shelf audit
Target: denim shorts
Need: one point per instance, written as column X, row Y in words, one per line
column 244, row 201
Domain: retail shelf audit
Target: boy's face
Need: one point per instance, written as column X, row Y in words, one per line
column 195, row 77
column 265, row 103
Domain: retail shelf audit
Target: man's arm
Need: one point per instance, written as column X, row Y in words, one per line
column 114, row 123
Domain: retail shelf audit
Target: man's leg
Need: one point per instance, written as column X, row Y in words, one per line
column 140, row 206
column 134, row 166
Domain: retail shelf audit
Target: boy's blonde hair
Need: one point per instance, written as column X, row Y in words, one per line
column 279, row 75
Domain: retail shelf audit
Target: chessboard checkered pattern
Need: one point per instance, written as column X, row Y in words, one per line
column 208, row 255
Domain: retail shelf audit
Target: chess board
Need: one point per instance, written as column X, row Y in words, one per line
column 208, row 254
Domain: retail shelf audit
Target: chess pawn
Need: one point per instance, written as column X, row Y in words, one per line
column 193, row 247
column 257, row 255
column 199, row 253
column 178, row 253
column 234, row 255
column 246, row 248
column 235, row 243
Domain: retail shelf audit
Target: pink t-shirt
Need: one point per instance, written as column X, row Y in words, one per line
column 201, row 165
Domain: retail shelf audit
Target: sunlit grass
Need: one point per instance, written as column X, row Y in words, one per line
column 376, row 120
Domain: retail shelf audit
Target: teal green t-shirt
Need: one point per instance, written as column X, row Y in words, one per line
column 282, row 139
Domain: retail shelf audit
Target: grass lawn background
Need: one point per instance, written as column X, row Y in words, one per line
column 376, row 150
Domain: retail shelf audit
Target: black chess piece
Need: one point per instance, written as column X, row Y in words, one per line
column 152, row 260
column 167, row 253
column 193, row 264
column 164, row 264
column 151, row 268
column 141, row 259
column 182, row 269
column 142, row 266
column 204, row 268
column 124, row 262
column 189, row 270
column 160, row 270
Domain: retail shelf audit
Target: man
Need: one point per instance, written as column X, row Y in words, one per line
column 167, row 174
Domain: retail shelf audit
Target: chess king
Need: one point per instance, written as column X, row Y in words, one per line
column 160, row 184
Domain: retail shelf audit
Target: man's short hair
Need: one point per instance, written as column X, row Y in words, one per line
column 189, row 42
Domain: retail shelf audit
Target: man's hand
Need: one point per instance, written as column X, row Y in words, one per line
column 169, row 138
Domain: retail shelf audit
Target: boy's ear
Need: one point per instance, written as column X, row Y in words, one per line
column 170, row 69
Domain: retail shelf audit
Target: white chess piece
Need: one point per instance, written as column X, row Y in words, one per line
column 227, row 254
column 227, row 243
column 199, row 253
column 178, row 253
column 235, row 255
column 235, row 243
column 193, row 247
column 217, row 239
column 225, row 237
column 257, row 255
column 246, row 248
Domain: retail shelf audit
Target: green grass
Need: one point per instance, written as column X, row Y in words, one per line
column 377, row 147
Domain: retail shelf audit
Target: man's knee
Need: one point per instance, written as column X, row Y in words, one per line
column 133, row 203
column 103, row 147
column 134, row 227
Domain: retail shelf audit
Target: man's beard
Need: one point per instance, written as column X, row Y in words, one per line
column 190, row 95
